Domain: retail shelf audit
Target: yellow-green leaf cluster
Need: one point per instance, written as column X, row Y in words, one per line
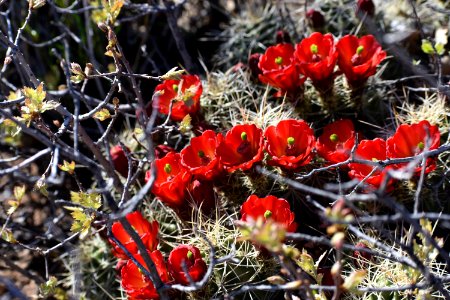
column 88, row 200
column 109, row 13
column 68, row 167
column 7, row 235
column 78, row 74
column 82, row 221
column 19, row 192
column 35, row 104
column 185, row 124
column 102, row 114
column 41, row 186
column 10, row 132
column 269, row 234
column 48, row 288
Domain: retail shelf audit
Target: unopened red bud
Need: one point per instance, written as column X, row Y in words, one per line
column 315, row 18
column 119, row 160
column 365, row 7
column 253, row 62
column 282, row 36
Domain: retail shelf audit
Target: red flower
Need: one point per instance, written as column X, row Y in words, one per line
column 192, row 259
column 241, row 148
column 277, row 209
column 278, row 69
column 136, row 284
column 148, row 232
column 171, row 180
column 317, row 56
column 373, row 150
column 411, row 140
column 336, row 141
column 200, row 156
column 119, row 160
column 186, row 94
column 359, row 58
column 290, row 143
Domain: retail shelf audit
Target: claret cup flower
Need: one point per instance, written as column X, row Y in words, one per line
column 279, row 70
column 171, row 181
column 139, row 286
column 359, row 58
column 336, row 141
column 411, row 140
column 290, row 144
column 316, row 57
column 192, row 259
column 200, row 156
column 372, row 150
column 241, row 147
column 185, row 94
column 147, row 231
column 276, row 209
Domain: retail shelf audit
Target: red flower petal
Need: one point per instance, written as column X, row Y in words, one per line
column 296, row 154
column 318, row 66
column 278, row 69
column 358, row 67
column 336, row 141
column 410, row 140
column 194, row 263
column 279, row 208
column 147, row 231
column 369, row 150
column 186, row 94
column 136, row 284
column 171, row 181
column 238, row 153
column 200, row 156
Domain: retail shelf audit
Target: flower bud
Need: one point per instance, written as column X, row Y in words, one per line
column 282, row 36
column 315, row 18
column 253, row 61
column 365, row 7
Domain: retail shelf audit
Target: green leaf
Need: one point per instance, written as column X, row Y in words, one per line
column 440, row 48
column 19, row 192
column 82, row 222
column 67, row 167
column 8, row 236
column 185, row 124
column 41, row 186
column 48, row 288
column 427, row 47
column 38, row 95
column 102, row 114
column 306, row 262
column 89, row 200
